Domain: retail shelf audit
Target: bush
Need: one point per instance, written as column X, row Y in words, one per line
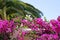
column 35, row 29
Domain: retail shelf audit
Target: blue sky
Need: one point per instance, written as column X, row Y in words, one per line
column 50, row 8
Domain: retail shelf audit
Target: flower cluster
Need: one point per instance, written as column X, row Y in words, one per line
column 25, row 29
column 6, row 27
column 42, row 29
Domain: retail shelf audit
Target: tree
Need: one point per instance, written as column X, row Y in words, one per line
column 13, row 8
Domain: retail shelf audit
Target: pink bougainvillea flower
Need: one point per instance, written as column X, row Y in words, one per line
column 53, row 22
column 48, row 37
column 58, row 18
column 25, row 22
column 55, row 36
column 55, row 26
column 57, row 29
column 39, row 21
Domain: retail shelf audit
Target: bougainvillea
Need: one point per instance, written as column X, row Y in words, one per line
column 42, row 29
column 6, row 27
column 35, row 29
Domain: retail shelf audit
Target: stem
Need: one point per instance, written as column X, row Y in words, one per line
column 4, row 12
column 4, row 9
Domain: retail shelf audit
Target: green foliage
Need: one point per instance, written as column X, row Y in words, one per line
column 18, row 8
